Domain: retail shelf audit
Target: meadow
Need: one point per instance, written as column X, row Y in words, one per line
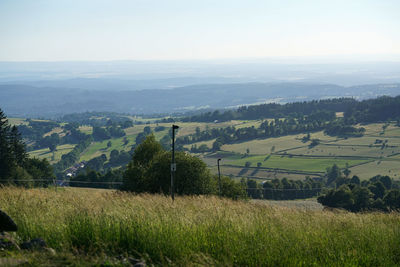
column 47, row 154
column 88, row 227
column 288, row 162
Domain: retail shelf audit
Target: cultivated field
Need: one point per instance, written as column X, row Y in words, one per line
column 366, row 155
column 377, row 152
column 99, row 225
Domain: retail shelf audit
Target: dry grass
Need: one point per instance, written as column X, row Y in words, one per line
column 201, row 230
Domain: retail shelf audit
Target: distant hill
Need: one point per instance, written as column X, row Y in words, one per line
column 32, row 101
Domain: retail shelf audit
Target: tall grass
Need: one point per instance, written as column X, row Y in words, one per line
column 201, row 230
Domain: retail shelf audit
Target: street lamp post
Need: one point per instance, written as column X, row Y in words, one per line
column 219, row 177
column 173, row 164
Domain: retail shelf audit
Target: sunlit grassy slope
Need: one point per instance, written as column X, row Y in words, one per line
column 200, row 230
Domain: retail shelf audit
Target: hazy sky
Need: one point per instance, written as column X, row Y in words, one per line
column 52, row 30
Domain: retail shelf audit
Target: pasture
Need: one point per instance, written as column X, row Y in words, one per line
column 45, row 153
column 294, row 163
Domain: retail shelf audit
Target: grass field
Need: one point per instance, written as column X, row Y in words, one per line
column 86, row 129
column 307, row 164
column 258, row 173
column 378, row 167
column 264, row 146
column 97, row 148
column 348, row 150
column 46, row 154
column 17, row 121
column 99, row 225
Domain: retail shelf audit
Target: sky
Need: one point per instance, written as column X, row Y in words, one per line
column 100, row 30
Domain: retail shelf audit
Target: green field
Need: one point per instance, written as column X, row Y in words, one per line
column 95, row 227
column 98, row 148
column 307, row 164
column 353, row 150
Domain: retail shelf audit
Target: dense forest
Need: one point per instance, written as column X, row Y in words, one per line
column 372, row 110
column 274, row 110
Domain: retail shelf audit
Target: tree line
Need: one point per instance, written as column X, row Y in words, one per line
column 381, row 109
column 273, row 110
column 378, row 193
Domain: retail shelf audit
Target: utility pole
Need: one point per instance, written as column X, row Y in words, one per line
column 173, row 164
column 219, row 177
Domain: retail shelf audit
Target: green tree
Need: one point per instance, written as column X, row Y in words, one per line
column 232, row 189
column 191, row 177
column 346, row 171
column 135, row 178
column 333, row 173
column 149, row 171
column 7, row 162
column 392, row 199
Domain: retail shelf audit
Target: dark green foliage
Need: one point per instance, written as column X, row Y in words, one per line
column 97, row 163
column 321, row 109
column 333, row 173
column 74, row 136
column 392, row 199
column 49, row 141
column 15, row 166
column 100, row 134
column 374, row 110
column 149, row 171
column 36, row 129
column 232, row 189
column 340, row 198
column 355, row 180
column 254, row 189
column 159, row 128
column 40, row 170
column 339, row 128
column 140, row 138
column 370, row 195
column 126, row 124
column 289, row 189
column 314, row 143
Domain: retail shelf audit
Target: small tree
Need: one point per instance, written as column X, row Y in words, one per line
column 346, row 171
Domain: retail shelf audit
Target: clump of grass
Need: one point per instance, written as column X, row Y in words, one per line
column 201, row 230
